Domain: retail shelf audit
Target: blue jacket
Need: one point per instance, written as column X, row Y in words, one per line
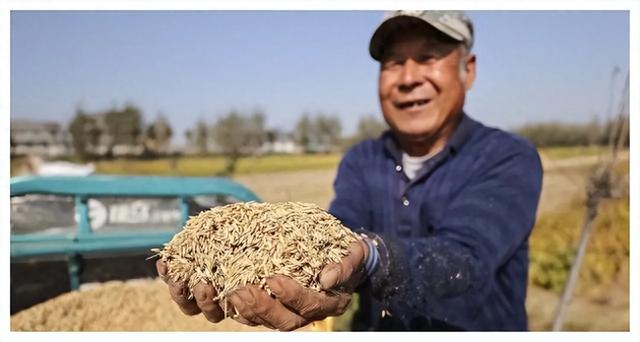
column 454, row 250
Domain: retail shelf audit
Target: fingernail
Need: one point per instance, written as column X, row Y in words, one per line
column 329, row 277
column 274, row 286
column 162, row 269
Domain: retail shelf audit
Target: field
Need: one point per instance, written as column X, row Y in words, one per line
column 602, row 298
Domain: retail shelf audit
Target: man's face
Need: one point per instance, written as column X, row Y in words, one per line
column 422, row 86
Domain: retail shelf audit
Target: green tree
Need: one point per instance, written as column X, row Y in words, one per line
column 304, row 131
column 322, row 133
column 238, row 135
column 199, row 136
column 329, row 131
column 370, row 127
column 81, row 128
column 124, row 127
column 158, row 136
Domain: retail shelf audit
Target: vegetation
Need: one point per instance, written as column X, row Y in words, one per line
column 214, row 165
column 369, row 127
column 238, row 135
column 320, row 133
column 157, row 137
column 555, row 238
column 563, row 134
column 554, row 242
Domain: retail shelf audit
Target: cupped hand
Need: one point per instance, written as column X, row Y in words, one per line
column 293, row 306
column 202, row 300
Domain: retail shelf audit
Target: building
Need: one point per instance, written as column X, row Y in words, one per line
column 39, row 138
column 281, row 143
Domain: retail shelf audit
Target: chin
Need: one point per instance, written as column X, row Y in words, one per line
column 417, row 136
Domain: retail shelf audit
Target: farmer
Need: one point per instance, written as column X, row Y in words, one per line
column 446, row 204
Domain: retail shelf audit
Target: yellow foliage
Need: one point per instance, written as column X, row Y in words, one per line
column 554, row 242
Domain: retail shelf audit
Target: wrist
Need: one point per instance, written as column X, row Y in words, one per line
column 376, row 252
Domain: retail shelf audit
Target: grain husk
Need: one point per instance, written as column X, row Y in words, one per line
column 245, row 243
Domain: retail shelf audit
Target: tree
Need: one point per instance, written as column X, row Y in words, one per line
column 329, row 131
column 81, row 128
column 238, row 135
column 158, row 136
column 303, row 131
column 199, row 136
column 319, row 134
column 124, row 127
column 370, row 127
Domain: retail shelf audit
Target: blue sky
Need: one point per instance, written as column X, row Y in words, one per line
column 190, row 65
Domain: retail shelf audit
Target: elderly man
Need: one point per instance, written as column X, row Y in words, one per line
column 445, row 203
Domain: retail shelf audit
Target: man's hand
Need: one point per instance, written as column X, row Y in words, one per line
column 295, row 306
column 202, row 300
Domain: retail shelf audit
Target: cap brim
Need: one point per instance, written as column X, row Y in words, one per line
column 391, row 25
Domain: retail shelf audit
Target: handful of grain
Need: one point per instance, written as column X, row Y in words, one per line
column 245, row 243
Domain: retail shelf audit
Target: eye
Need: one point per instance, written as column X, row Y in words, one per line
column 391, row 63
column 425, row 58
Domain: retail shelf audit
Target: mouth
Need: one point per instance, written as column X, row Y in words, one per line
column 412, row 104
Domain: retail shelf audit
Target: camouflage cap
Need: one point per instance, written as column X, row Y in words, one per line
column 454, row 24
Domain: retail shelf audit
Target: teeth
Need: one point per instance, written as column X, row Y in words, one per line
column 414, row 104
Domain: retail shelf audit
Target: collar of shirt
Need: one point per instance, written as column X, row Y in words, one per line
column 454, row 144
column 411, row 165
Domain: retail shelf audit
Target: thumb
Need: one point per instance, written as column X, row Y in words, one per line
column 330, row 276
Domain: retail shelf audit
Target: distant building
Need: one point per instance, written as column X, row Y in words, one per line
column 281, row 143
column 39, row 138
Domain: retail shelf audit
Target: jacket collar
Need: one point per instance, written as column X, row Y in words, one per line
column 463, row 132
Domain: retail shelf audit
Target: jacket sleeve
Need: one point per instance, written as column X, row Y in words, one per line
column 350, row 203
column 482, row 227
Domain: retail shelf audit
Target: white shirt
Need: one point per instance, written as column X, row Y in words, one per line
column 411, row 165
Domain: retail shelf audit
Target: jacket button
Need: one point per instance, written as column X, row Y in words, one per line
column 405, row 201
column 398, row 168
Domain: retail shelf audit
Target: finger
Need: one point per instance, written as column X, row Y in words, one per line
column 307, row 303
column 244, row 303
column 339, row 274
column 180, row 294
column 271, row 311
column 240, row 319
column 161, row 267
column 204, row 294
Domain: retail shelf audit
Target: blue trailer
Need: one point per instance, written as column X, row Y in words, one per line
column 110, row 214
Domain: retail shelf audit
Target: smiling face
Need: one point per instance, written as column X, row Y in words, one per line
column 422, row 84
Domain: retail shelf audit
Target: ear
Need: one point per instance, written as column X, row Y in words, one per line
column 470, row 71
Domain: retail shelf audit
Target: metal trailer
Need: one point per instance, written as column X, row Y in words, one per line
column 84, row 240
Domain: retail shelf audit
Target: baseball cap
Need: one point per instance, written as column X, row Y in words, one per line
column 454, row 24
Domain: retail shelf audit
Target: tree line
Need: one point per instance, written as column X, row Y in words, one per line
column 123, row 131
column 567, row 134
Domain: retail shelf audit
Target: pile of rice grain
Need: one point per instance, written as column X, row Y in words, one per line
column 245, row 243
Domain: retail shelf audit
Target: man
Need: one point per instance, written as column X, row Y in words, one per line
column 445, row 203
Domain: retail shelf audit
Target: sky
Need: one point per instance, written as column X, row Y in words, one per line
column 533, row 66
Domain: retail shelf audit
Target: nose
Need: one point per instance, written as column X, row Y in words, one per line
column 410, row 76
